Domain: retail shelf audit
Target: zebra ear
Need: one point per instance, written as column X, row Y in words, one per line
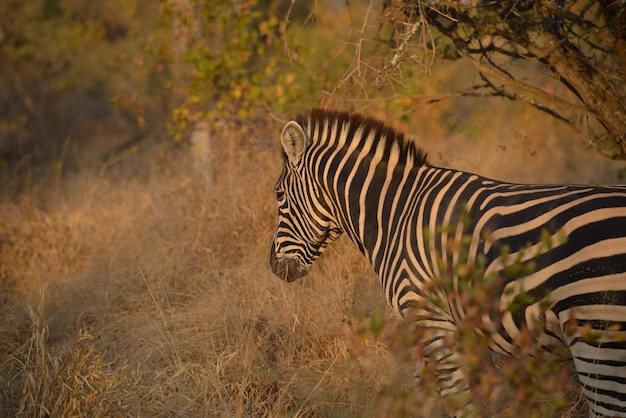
column 293, row 140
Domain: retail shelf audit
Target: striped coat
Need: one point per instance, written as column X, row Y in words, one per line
column 555, row 253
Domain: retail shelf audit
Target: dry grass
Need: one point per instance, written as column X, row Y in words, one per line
column 76, row 382
column 149, row 294
column 142, row 287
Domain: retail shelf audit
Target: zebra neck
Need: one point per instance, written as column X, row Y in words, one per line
column 371, row 202
column 385, row 205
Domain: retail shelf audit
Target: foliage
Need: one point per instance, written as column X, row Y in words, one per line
column 236, row 59
column 64, row 63
column 538, row 384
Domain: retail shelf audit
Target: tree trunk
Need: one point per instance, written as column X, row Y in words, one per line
column 591, row 87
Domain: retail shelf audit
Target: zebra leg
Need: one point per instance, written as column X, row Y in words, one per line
column 600, row 359
column 452, row 382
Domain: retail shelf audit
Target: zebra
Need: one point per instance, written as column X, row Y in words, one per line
column 348, row 173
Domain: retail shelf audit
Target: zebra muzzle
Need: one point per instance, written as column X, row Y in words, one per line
column 287, row 268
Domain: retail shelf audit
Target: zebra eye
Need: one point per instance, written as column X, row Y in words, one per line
column 334, row 233
column 280, row 193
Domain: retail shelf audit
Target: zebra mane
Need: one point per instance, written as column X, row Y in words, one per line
column 408, row 151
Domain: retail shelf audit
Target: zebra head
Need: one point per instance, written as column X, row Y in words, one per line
column 305, row 222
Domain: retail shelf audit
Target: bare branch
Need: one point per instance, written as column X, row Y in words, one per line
column 355, row 65
column 532, row 93
column 581, row 43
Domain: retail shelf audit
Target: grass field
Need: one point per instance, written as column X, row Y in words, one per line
column 143, row 289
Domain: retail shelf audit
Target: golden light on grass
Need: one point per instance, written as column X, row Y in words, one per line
column 151, row 295
column 147, row 292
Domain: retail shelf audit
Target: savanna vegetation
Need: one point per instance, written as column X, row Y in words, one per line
column 134, row 276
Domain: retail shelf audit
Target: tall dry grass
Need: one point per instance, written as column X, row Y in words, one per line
column 147, row 292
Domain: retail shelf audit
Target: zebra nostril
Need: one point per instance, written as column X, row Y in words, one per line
column 286, row 272
column 286, row 267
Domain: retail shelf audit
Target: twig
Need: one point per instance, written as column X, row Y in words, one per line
column 357, row 53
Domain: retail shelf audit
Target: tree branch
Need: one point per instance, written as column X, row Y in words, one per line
column 583, row 44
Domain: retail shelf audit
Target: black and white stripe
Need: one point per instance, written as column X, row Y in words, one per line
column 416, row 223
